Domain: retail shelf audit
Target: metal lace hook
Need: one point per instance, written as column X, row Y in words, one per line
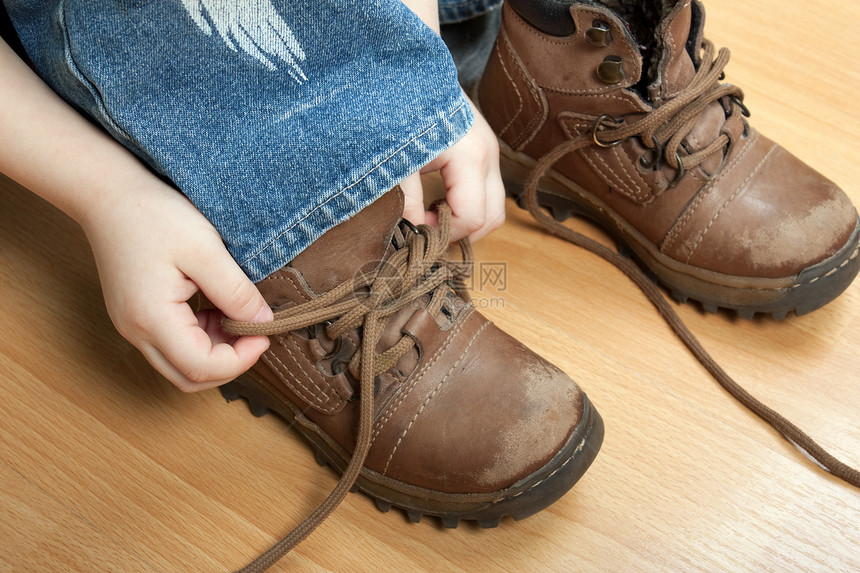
column 680, row 174
column 745, row 111
column 410, row 225
column 605, row 118
column 656, row 162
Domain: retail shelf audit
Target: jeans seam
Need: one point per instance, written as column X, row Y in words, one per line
column 348, row 187
column 103, row 113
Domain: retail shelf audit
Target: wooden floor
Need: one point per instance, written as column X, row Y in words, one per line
column 106, row 467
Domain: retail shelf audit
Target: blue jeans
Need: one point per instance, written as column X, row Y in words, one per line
column 278, row 121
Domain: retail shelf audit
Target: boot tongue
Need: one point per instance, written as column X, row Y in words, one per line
column 358, row 244
column 679, row 33
column 673, row 67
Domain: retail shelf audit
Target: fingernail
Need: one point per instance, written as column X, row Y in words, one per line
column 265, row 314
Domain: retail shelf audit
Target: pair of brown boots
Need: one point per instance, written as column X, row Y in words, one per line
column 611, row 110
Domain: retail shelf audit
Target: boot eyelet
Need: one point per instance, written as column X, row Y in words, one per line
column 653, row 164
column 599, row 34
column 611, row 70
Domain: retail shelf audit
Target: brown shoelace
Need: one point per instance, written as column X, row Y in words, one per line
column 663, row 130
column 418, row 269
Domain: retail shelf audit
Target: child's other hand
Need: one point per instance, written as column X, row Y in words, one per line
column 473, row 182
column 154, row 250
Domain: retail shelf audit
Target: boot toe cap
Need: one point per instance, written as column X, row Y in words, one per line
column 493, row 423
column 784, row 218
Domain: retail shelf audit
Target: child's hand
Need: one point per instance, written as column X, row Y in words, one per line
column 154, row 249
column 470, row 172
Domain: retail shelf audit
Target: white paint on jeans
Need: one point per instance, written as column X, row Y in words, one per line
column 255, row 27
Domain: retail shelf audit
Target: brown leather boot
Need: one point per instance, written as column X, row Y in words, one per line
column 618, row 106
column 383, row 366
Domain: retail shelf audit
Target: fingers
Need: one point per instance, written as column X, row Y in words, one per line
column 465, row 181
column 226, row 286
column 495, row 203
column 472, row 178
column 413, row 199
column 195, row 354
column 192, row 351
column 154, row 250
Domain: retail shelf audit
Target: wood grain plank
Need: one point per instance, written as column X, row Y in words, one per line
column 106, row 467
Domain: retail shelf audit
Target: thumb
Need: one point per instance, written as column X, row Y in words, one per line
column 227, row 287
column 413, row 199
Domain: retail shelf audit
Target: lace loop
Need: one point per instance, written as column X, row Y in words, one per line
column 667, row 125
